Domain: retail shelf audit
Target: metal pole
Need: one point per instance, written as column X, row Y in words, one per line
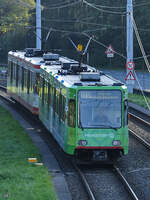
column 38, row 24
column 129, row 81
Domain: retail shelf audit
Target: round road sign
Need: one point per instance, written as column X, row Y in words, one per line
column 130, row 65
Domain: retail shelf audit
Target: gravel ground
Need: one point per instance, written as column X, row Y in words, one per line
column 76, row 187
column 106, row 185
column 141, row 130
column 136, row 168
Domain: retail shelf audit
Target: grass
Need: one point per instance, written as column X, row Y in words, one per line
column 139, row 100
column 20, row 180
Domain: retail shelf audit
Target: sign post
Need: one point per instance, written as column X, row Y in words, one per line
column 130, row 79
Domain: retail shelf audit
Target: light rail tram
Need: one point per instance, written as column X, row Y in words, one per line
column 84, row 109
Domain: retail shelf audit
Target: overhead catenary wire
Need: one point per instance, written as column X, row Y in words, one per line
column 63, row 6
column 100, row 43
column 80, row 33
column 122, row 7
column 84, row 31
column 82, row 22
column 140, row 42
column 59, row 4
column 137, row 58
column 142, row 4
column 102, row 10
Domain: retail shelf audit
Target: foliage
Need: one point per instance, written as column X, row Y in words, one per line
column 139, row 100
column 14, row 13
column 107, row 25
column 15, row 17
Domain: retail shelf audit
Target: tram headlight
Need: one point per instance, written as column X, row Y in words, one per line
column 82, row 142
column 116, row 143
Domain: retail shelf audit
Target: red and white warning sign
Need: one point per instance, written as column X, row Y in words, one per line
column 130, row 67
column 130, row 76
column 110, row 52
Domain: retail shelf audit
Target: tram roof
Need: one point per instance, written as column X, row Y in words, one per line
column 70, row 80
column 20, row 55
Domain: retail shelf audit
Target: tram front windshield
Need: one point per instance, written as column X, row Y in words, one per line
column 99, row 109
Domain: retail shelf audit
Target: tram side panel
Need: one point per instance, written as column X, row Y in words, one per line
column 28, row 91
column 52, row 105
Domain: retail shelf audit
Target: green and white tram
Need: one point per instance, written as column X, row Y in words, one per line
column 84, row 109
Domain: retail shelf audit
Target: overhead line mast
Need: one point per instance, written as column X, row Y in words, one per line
column 38, row 25
column 130, row 65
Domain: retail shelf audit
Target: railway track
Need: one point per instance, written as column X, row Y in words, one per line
column 4, row 95
column 137, row 136
column 139, row 119
column 3, row 88
column 92, row 196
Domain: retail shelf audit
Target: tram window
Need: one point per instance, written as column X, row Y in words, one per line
column 36, row 78
column 46, row 91
column 11, row 71
column 43, row 90
column 41, row 85
column 54, row 100
column 57, row 101
column 49, row 95
column 37, row 82
column 14, row 71
column 25, row 79
column 22, row 78
column 9, row 68
column 31, row 83
column 17, row 74
column 60, row 105
column 63, row 108
column 125, row 113
column 71, row 113
column 28, row 81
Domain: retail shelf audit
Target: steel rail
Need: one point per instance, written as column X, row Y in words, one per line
column 3, row 88
column 6, row 98
column 141, row 140
column 125, row 182
column 85, row 183
column 139, row 118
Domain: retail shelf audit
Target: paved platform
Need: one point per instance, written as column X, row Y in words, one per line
column 49, row 160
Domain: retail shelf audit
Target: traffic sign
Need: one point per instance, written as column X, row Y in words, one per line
column 79, row 47
column 130, row 76
column 130, row 65
column 110, row 52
